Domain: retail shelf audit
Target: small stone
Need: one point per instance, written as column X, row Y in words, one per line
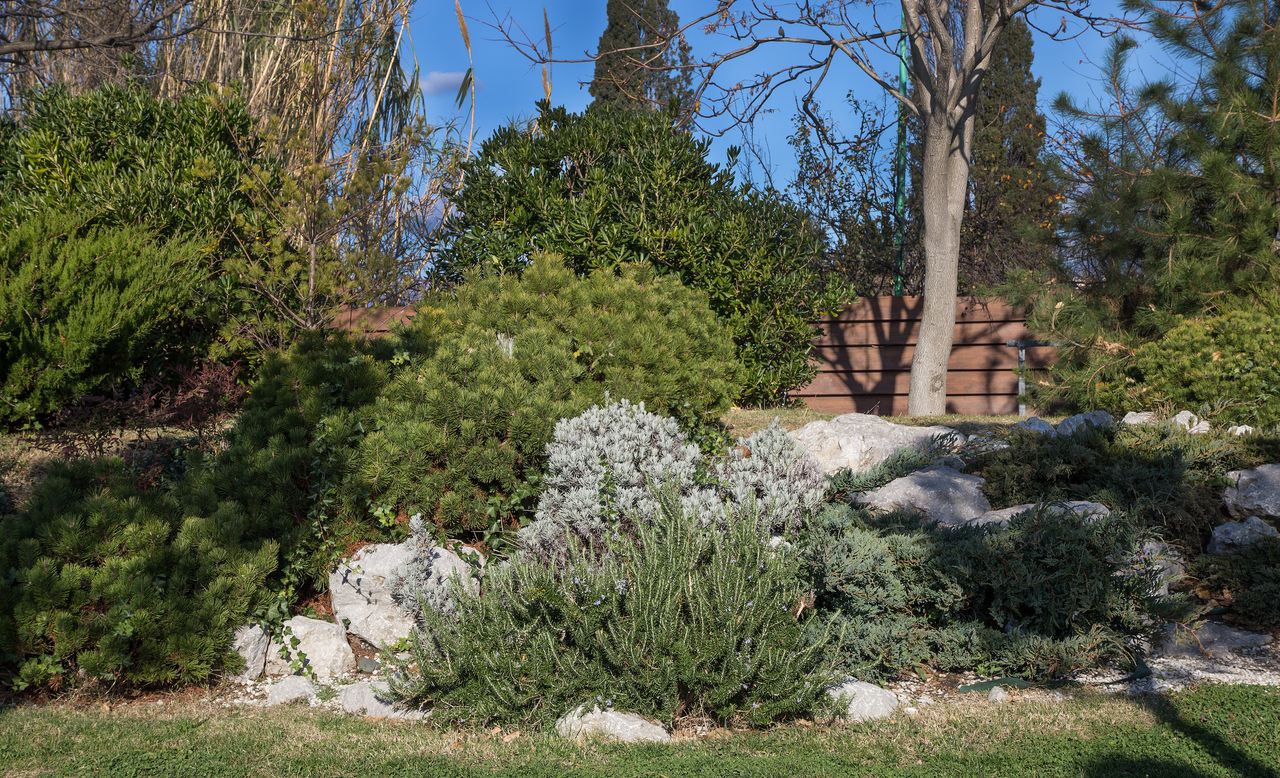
column 1139, row 418
column 1096, row 419
column 911, row 711
column 1240, row 429
column 1235, row 535
column 368, row 665
column 251, row 643
column 998, row 695
column 1036, row 425
column 294, row 688
column 1166, row 561
column 1190, row 422
column 581, row 723
column 863, row 701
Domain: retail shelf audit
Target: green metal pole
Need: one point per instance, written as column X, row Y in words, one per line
column 900, row 176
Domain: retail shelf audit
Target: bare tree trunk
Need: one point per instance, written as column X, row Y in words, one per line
column 945, row 174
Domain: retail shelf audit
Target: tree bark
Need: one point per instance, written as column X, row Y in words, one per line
column 945, row 179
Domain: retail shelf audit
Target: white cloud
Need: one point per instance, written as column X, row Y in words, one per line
column 442, row 82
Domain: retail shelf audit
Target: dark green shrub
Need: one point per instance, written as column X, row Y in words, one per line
column 289, row 453
column 87, row 309
column 609, row 187
column 120, row 584
column 459, row 436
column 1165, row 478
column 683, row 621
column 1228, row 360
column 1048, row 596
column 1251, row 576
column 190, row 168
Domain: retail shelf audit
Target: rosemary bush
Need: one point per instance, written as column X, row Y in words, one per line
column 682, row 620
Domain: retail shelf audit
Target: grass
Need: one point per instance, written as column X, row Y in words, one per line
column 1217, row 730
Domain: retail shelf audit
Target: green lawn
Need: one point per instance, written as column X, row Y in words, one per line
column 1213, row 731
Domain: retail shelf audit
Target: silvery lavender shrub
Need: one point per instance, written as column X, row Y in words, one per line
column 607, row 464
column 428, row 580
column 769, row 472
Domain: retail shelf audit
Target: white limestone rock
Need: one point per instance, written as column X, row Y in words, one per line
column 941, row 494
column 998, row 695
column 1190, row 422
column 581, row 723
column 1253, row 492
column 862, row 701
column 360, row 590
column 857, row 441
column 1139, row 418
column 322, row 648
column 252, row 644
column 372, row 699
column 1240, row 429
column 290, row 689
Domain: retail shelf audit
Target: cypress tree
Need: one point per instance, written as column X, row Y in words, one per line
column 1009, row 221
column 630, row 75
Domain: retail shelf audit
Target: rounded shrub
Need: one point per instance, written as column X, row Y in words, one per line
column 121, row 586
column 1227, row 360
column 460, row 435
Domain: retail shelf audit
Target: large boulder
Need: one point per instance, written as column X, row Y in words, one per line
column 252, row 644
column 322, row 650
column 1211, row 639
column 360, row 590
column 857, row 441
column 862, row 701
column 1254, row 492
column 581, row 723
column 1003, row 516
column 1235, row 535
column 1096, row 419
column 941, row 494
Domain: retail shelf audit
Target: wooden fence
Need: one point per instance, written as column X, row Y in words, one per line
column 864, row 354
column 864, row 357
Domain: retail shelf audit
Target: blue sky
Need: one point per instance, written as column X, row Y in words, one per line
column 508, row 84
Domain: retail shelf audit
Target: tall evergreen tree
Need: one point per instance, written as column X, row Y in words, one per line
column 1012, row 205
column 643, row 61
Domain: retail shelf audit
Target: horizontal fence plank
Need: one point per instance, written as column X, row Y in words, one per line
column 899, row 382
column 908, row 333
column 896, row 309
column 836, row 358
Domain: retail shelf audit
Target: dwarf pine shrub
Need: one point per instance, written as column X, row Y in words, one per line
column 460, row 436
column 683, row 619
column 120, row 586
